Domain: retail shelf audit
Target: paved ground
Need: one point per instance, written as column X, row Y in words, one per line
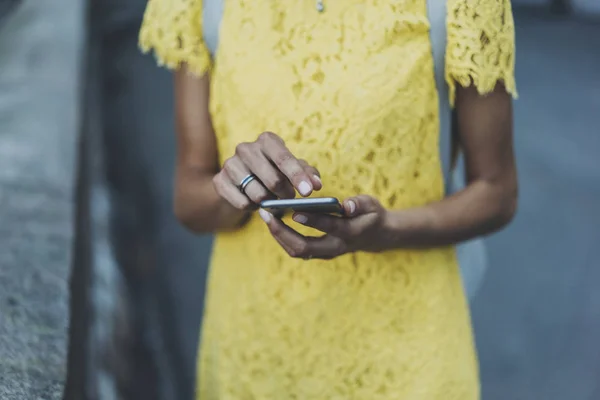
column 37, row 118
column 537, row 318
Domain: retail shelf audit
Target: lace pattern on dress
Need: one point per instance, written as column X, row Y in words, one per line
column 481, row 45
column 173, row 29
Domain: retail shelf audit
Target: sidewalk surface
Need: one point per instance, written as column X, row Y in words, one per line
column 38, row 76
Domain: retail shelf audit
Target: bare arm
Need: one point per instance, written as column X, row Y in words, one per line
column 197, row 204
column 489, row 201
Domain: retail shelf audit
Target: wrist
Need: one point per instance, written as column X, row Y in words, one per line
column 407, row 228
column 391, row 230
column 230, row 218
column 243, row 219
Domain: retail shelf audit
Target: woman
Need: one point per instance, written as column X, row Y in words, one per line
column 339, row 98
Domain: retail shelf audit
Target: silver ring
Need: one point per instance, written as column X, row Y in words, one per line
column 245, row 182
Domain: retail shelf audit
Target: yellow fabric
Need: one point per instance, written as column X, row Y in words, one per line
column 173, row 29
column 481, row 45
column 352, row 91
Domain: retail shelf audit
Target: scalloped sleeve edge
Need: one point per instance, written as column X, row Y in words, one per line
column 480, row 49
column 172, row 31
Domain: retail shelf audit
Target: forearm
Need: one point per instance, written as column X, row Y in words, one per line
column 199, row 208
column 481, row 208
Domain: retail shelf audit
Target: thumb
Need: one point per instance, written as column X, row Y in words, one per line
column 360, row 205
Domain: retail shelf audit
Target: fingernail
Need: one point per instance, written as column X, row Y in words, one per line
column 300, row 218
column 352, row 206
column 317, row 178
column 265, row 215
column 304, row 188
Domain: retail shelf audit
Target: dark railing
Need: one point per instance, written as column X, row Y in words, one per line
column 133, row 252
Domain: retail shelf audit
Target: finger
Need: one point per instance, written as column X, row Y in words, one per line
column 284, row 245
column 278, row 213
column 294, row 243
column 237, row 171
column 271, row 178
column 257, row 192
column 326, row 247
column 299, row 246
column 314, row 174
column 276, row 151
column 230, row 192
column 336, row 226
column 360, row 205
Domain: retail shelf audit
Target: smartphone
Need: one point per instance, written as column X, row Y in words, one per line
column 323, row 205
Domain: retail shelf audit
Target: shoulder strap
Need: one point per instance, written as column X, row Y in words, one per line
column 471, row 255
column 436, row 12
column 212, row 13
column 449, row 141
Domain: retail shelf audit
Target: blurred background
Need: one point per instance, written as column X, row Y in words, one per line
column 87, row 233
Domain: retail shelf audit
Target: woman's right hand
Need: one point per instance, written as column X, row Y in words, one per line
column 279, row 173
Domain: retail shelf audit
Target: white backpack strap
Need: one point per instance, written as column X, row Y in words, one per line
column 212, row 14
column 436, row 10
column 471, row 255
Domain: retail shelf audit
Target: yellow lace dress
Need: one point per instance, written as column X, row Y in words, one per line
column 352, row 91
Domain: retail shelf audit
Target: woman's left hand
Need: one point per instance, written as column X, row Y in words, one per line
column 363, row 228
